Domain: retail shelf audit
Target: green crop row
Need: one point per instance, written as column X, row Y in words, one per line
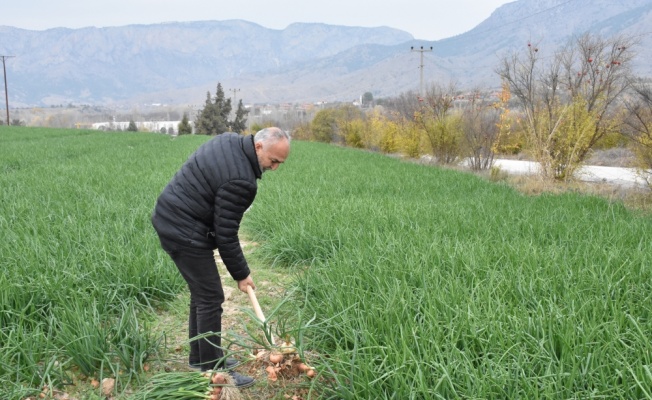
column 80, row 262
column 413, row 282
column 428, row 283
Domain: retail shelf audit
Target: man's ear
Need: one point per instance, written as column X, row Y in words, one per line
column 258, row 146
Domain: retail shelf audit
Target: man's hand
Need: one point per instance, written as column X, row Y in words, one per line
column 242, row 285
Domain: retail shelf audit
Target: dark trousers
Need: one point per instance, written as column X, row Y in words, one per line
column 199, row 270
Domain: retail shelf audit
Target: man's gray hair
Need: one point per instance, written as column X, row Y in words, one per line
column 271, row 135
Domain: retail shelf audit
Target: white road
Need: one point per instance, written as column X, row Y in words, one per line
column 626, row 177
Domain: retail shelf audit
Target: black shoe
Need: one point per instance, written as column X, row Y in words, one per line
column 230, row 363
column 241, row 381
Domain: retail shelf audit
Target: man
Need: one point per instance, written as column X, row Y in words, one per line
column 200, row 210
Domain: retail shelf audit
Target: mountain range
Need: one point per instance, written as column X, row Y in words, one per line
column 179, row 62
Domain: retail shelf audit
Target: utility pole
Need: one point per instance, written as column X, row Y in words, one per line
column 234, row 91
column 421, row 50
column 4, row 70
column 233, row 109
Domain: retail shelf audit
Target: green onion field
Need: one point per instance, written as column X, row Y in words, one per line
column 412, row 282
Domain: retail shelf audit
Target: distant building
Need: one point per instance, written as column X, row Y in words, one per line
column 170, row 127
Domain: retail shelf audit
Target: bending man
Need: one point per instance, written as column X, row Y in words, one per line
column 200, row 210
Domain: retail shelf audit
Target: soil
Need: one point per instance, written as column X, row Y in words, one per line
column 281, row 380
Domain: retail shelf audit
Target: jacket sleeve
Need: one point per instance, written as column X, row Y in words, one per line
column 232, row 200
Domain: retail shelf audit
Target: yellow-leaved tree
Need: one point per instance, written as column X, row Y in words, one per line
column 384, row 132
column 570, row 140
column 637, row 126
column 440, row 123
column 550, row 87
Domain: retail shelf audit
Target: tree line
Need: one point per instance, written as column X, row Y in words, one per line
column 214, row 117
column 556, row 105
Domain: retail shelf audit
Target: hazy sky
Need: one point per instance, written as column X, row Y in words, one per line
column 424, row 19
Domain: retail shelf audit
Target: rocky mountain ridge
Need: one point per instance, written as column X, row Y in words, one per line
column 177, row 63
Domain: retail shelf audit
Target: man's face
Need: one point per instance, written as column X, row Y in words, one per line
column 272, row 155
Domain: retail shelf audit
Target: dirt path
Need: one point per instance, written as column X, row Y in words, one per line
column 270, row 290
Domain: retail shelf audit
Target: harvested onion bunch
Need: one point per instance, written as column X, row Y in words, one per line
column 190, row 385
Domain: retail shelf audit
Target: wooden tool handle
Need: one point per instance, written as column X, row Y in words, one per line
column 259, row 311
column 254, row 303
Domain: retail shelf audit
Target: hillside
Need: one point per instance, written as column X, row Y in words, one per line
column 176, row 63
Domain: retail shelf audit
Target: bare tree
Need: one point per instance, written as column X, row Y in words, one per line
column 440, row 124
column 560, row 94
column 637, row 124
column 480, row 124
column 405, row 105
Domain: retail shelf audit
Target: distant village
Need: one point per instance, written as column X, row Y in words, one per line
column 290, row 114
column 165, row 118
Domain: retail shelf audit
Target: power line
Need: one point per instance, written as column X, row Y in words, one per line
column 4, row 69
column 485, row 31
column 481, row 67
column 496, row 29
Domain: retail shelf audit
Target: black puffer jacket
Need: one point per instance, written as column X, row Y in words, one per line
column 203, row 204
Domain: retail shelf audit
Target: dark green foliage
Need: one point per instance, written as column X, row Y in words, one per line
column 132, row 127
column 367, row 99
column 14, row 122
column 213, row 119
column 323, row 125
column 184, row 126
column 255, row 127
column 239, row 124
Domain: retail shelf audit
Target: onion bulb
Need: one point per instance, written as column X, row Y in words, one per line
column 218, row 379
column 275, row 358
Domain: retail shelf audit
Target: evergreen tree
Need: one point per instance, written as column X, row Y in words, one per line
column 239, row 124
column 184, row 127
column 204, row 122
column 213, row 118
column 367, row 99
column 223, row 109
column 132, row 126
